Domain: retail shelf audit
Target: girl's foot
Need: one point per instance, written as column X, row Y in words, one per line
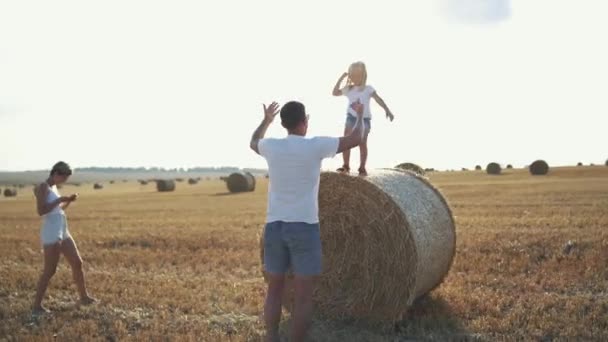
column 39, row 311
column 362, row 172
column 88, row 300
column 344, row 169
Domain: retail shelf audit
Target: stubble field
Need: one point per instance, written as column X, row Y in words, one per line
column 185, row 265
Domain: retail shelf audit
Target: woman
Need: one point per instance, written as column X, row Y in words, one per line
column 55, row 236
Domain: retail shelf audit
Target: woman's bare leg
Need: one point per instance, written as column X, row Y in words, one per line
column 70, row 251
column 51, row 258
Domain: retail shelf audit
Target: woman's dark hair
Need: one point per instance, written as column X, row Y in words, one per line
column 61, row 169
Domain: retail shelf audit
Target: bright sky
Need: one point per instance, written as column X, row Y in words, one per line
column 181, row 83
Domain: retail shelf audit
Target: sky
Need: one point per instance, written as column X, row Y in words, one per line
column 181, row 83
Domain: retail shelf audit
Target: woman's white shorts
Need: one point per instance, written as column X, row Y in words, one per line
column 54, row 229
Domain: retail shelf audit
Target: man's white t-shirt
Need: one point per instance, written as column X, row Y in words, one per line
column 294, row 169
column 362, row 95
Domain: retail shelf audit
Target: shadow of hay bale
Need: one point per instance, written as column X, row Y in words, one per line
column 430, row 318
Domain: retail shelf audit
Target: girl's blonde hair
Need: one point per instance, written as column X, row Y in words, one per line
column 361, row 66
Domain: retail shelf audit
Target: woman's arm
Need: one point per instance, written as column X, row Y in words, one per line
column 382, row 104
column 337, row 91
column 42, row 207
column 71, row 199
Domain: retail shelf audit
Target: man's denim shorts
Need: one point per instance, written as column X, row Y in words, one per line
column 292, row 244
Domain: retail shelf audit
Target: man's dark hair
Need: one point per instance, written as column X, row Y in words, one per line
column 62, row 169
column 292, row 114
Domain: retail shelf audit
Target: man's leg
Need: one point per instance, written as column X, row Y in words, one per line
column 302, row 313
column 272, row 307
column 304, row 243
column 276, row 263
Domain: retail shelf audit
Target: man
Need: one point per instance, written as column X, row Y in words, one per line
column 291, row 236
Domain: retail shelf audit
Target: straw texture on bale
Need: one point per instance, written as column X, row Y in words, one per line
column 478, row 167
column 493, row 169
column 411, row 167
column 97, row 186
column 165, row 185
column 539, row 168
column 10, row 192
column 388, row 239
column 241, row 182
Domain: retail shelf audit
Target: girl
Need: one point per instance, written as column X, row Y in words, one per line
column 55, row 236
column 357, row 90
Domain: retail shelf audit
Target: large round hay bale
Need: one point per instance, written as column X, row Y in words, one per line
column 388, row 239
column 411, row 167
column 241, row 182
column 606, row 162
column 192, row 181
column 478, row 167
column 10, row 192
column 539, row 168
column 97, row 186
column 493, row 169
column 165, row 185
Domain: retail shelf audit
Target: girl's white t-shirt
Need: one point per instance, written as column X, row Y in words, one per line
column 363, row 95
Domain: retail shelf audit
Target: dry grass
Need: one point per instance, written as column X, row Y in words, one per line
column 185, row 265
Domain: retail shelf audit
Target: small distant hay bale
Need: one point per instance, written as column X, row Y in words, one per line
column 493, row 169
column 411, row 167
column 509, row 166
column 165, row 185
column 10, row 192
column 192, row 181
column 179, row 180
column 21, row 186
column 478, row 167
column 539, row 168
column 224, row 178
column 606, row 163
column 429, row 169
column 97, row 186
column 591, row 164
column 241, row 182
column 267, row 176
column 111, row 182
column 388, row 239
column 143, row 182
column 465, row 169
column 581, row 164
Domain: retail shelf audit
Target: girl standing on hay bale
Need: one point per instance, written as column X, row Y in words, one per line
column 357, row 90
column 55, row 236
